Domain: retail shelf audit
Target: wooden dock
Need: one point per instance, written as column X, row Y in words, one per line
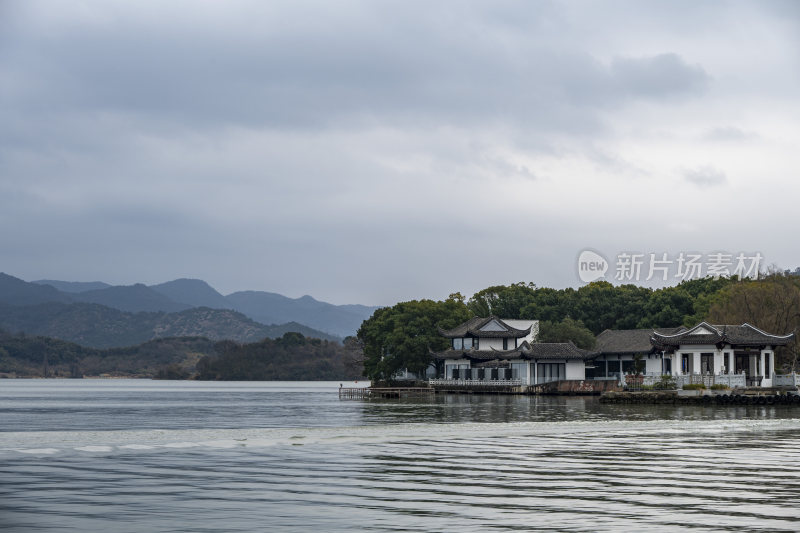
column 371, row 393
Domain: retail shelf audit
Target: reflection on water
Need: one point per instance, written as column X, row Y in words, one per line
column 292, row 457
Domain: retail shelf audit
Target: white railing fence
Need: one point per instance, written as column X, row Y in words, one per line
column 651, row 379
column 477, row 382
column 729, row 380
column 786, row 380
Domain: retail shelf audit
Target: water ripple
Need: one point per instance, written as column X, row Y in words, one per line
column 581, row 470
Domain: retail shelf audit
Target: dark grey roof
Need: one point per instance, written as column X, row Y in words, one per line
column 481, row 355
column 496, row 363
column 554, row 350
column 742, row 335
column 629, row 341
column 472, row 328
column 537, row 350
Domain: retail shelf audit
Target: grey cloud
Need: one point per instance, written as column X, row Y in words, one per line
column 705, row 176
column 283, row 69
column 310, row 147
column 729, row 134
column 659, row 76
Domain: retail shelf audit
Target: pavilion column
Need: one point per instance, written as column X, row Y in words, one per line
column 695, row 363
column 772, row 362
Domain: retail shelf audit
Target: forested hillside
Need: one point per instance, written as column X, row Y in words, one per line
column 99, row 326
column 31, row 356
column 291, row 357
column 279, row 359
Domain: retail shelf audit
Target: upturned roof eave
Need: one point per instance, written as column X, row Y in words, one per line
column 471, row 328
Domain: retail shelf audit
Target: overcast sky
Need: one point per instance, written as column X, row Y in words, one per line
column 371, row 152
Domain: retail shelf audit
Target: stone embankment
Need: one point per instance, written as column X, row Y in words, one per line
column 735, row 397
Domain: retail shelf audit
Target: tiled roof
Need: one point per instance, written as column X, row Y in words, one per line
column 482, row 355
column 537, row 350
column 704, row 333
column 629, row 341
column 472, row 328
column 554, row 350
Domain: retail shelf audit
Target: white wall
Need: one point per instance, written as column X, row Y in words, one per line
column 497, row 344
column 652, row 364
column 523, row 324
column 694, row 351
column 767, row 382
column 576, row 369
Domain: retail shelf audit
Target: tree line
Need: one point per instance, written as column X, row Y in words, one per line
column 291, row 357
column 405, row 335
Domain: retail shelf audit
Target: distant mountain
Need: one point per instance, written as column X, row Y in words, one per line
column 133, row 298
column 227, row 324
column 193, row 292
column 14, row 291
column 269, row 307
column 73, row 286
column 99, row 326
column 183, row 294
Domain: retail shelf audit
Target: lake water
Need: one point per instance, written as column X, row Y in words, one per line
column 136, row 455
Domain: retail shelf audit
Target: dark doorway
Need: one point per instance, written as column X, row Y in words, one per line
column 742, row 363
column 706, row 363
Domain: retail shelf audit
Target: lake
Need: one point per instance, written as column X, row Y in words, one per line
column 140, row 455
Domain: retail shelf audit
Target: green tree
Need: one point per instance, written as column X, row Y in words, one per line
column 667, row 307
column 502, row 301
column 565, row 331
column 403, row 336
column 549, row 304
column 600, row 305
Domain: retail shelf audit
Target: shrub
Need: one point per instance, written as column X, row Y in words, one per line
column 694, row 386
column 666, row 382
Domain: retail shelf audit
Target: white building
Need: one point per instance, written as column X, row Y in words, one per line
column 494, row 350
column 489, row 351
column 617, row 352
column 721, row 350
column 716, row 351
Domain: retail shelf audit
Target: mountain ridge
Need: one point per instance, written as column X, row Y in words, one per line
column 97, row 326
column 186, row 293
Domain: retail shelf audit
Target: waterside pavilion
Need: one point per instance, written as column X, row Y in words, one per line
column 502, row 352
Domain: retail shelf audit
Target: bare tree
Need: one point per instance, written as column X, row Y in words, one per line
column 771, row 303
